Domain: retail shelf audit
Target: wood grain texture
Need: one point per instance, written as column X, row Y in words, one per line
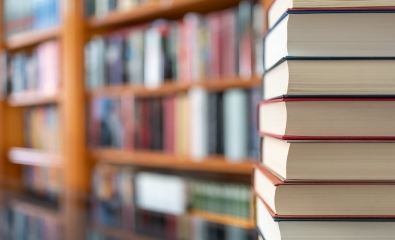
column 172, row 9
column 170, row 88
column 76, row 172
column 217, row 164
column 33, row 37
column 224, row 219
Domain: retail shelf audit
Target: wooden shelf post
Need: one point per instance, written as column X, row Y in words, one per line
column 73, row 135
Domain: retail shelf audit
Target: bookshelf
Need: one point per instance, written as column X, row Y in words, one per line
column 223, row 219
column 168, row 88
column 31, row 157
column 25, row 99
column 34, row 210
column 26, row 39
column 119, row 234
column 216, row 164
column 153, row 10
column 75, row 158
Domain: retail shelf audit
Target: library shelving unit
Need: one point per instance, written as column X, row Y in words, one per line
column 75, row 158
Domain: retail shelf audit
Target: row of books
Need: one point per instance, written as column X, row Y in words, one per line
column 25, row 15
column 35, row 71
column 17, row 223
column 197, row 124
column 42, row 128
column 218, row 45
column 122, row 193
column 113, row 196
column 176, row 228
column 42, row 182
column 327, row 122
column 225, row 199
column 203, row 230
column 101, row 8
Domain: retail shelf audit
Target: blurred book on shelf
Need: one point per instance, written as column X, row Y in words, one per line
column 25, row 15
column 197, row 47
column 161, row 205
column 36, row 71
column 42, row 128
column 198, row 124
column 20, row 221
column 45, row 183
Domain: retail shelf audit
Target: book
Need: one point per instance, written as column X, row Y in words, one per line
column 328, row 118
column 95, row 63
column 254, row 97
column 115, row 59
column 182, row 121
column 161, row 193
column 22, row 16
column 37, row 71
column 329, row 160
column 222, row 198
column 235, row 125
column 169, row 124
column 273, row 228
column 279, row 7
column 259, row 24
column 42, row 182
column 198, row 123
column 245, row 39
column 41, row 128
column 135, row 57
column 299, row 77
column 330, row 34
column 323, row 200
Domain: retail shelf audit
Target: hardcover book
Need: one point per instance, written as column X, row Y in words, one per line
column 331, row 34
column 324, row 200
column 328, row 118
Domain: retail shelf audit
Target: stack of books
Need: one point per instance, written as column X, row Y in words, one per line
column 327, row 129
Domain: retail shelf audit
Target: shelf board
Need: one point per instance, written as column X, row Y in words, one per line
column 223, row 219
column 31, row 99
column 28, row 38
column 167, row 88
column 216, row 164
column 157, row 9
column 32, row 157
column 34, row 210
column 119, row 233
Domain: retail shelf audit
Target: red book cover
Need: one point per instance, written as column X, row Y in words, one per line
column 146, row 127
column 228, row 43
column 127, row 114
column 214, row 44
column 276, row 181
column 169, row 124
column 306, row 99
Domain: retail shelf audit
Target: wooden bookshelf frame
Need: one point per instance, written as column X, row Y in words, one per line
column 74, row 156
column 216, row 164
column 223, row 219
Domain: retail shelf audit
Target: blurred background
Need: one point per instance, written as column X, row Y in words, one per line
column 129, row 119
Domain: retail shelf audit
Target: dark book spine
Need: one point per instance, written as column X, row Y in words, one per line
column 156, row 124
column 213, row 123
column 220, row 124
column 115, row 59
column 255, row 96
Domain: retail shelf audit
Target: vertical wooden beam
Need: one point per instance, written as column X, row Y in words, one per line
column 73, row 103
